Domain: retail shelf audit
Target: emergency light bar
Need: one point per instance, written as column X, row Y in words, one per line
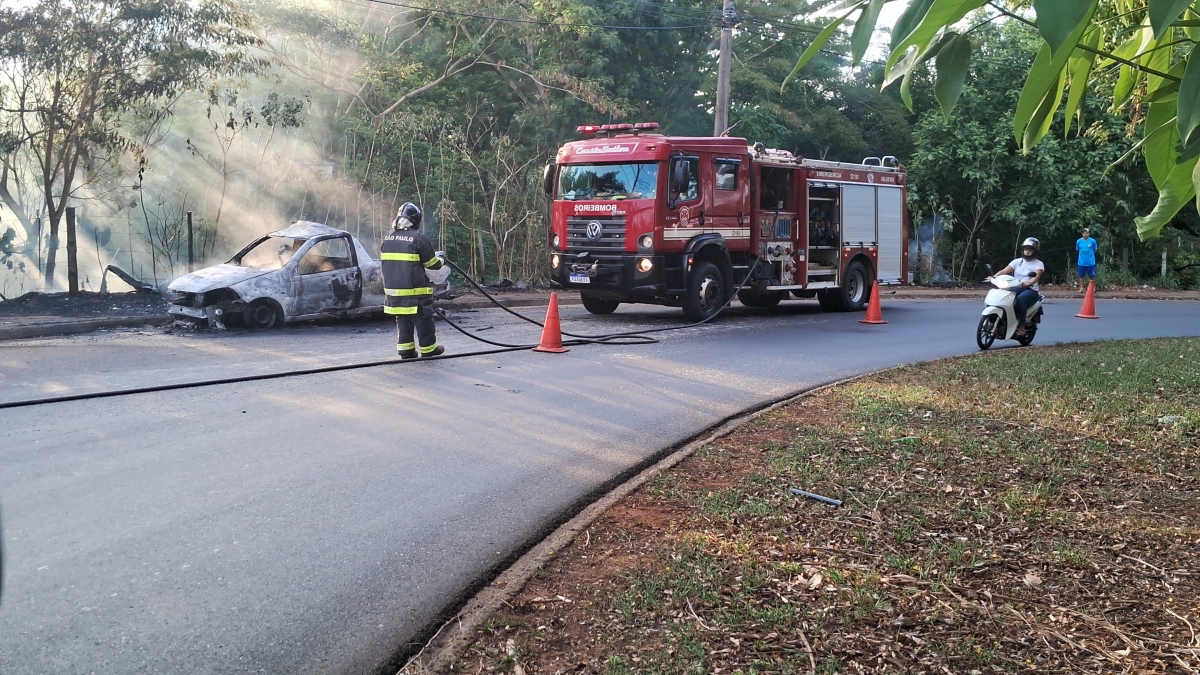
column 589, row 129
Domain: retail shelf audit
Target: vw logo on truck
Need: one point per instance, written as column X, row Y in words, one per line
column 594, row 230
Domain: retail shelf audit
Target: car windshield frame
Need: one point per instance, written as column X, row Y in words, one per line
column 296, row 243
column 606, row 181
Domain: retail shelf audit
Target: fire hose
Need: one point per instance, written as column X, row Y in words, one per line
column 633, row 337
column 626, row 338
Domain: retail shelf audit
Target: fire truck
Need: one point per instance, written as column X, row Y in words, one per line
column 641, row 217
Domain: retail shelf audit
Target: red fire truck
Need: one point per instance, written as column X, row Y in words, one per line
column 678, row 221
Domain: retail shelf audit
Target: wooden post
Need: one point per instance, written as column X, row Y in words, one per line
column 191, row 260
column 73, row 257
column 1164, row 265
column 1125, row 259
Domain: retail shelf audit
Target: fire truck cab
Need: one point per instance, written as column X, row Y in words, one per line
column 684, row 222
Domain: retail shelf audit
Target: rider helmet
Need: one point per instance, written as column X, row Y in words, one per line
column 408, row 217
column 1031, row 243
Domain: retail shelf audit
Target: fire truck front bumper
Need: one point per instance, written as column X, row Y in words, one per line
column 626, row 274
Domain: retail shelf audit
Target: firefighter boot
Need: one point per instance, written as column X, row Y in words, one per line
column 407, row 353
column 436, row 350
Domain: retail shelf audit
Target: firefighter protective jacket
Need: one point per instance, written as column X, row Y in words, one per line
column 406, row 254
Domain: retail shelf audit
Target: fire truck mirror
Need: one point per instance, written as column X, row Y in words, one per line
column 548, row 180
column 679, row 181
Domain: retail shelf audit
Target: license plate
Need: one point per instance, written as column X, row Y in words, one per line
column 579, row 279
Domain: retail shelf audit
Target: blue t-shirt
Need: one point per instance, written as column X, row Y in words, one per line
column 1087, row 251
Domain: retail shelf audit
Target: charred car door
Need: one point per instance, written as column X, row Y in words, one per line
column 328, row 278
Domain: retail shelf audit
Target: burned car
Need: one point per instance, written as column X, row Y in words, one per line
column 307, row 271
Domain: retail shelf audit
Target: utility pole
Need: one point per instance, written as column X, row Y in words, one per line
column 728, row 20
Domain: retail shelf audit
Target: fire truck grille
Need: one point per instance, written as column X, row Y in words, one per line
column 611, row 234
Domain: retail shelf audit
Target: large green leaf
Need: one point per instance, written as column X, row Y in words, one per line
column 1164, row 12
column 909, row 20
column 1179, row 187
column 941, row 14
column 818, row 42
column 953, row 62
column 1127, row 79
column 1079, row 68
column 1046, row 73
column 1160, row 143
column 1189, row 99
column 915, row 57
column 860, row 39
column 1043, row 116
column 1058, row 19
column 1150, row 136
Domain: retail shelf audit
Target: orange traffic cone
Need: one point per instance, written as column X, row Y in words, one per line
column 874, row 313
column 551, row 332
column 1088, row 311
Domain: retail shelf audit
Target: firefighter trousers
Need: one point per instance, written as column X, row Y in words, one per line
column 422, row 322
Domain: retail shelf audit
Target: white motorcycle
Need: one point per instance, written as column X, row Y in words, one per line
column 999, row 318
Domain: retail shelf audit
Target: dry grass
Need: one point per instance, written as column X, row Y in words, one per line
column 1034, row 510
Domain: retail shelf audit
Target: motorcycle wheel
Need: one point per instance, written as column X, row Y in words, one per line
column 1027, row 338
column 986, row 333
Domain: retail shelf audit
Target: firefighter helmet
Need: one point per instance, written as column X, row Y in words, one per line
column 408, row 217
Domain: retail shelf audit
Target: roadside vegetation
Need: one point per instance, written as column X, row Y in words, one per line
column 1027, row 510
column 250, row 114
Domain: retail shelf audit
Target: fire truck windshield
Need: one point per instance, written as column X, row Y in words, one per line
column 608, row 181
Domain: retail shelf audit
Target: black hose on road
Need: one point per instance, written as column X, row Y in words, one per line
column 637, row 337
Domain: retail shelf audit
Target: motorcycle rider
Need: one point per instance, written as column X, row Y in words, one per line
column 1029, row 270
column 406, row 253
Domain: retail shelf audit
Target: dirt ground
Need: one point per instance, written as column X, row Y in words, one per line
column 85, row 305
column 1032, row 510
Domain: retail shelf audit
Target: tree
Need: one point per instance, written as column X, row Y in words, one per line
column 72, row 69
column 1140, row 49
column 969, row 167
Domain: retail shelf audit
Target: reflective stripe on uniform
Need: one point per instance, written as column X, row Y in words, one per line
column 430, row 348
column 406, row 346
column 408, row 257
column 433, row 261
column 408, row 292
column 400, row 310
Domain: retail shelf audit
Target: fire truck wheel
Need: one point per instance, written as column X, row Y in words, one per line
column 706, row 294
column 598, row 305
column 854, row 293
column 762, row 300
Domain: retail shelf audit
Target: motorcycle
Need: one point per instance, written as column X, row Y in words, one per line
column 999, row 318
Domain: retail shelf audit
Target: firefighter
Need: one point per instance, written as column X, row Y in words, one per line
column 406, row 254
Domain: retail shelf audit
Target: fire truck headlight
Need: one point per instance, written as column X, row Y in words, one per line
column 646, row 241
column 645, row 264
column 555, row 241
column 554, row 261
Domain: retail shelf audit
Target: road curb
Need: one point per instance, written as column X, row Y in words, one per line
column 455, row 634
column 83, row 326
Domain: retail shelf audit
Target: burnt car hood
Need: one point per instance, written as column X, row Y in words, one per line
column 217, row 276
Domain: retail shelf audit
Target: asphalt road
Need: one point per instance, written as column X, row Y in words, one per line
column 319, row 524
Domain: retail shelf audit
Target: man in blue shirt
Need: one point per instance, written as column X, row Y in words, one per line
column 1086, row 264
